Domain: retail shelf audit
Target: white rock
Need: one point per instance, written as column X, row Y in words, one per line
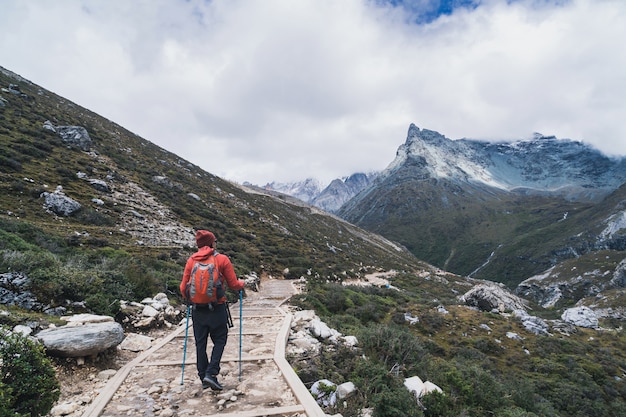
column 318, row 389
column 106, row 374
column 136, row 342
column 155, row 389
column 64, row 409
column 350, row 341
column 320, row 329
column 430, row 387
column 581, row 316
column 162, row 298
column 23, row 330
column 415, row 385
column 304, row 315
column 345, row 390
column 167, row 412
column 149, row 311
column 412, row 320
column 514, row 336
column 86, row 318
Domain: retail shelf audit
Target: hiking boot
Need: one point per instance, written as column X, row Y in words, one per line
column 210, row 381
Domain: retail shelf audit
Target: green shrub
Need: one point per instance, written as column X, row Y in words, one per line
column 384, row 391
column 90, row 216
column 368, row 313
column 514, row 412
column 391, row 344
column 488, row 345
column 29, row 384
column 395, row 403
column 9, row 164
column 112, row 288
column 437, row 404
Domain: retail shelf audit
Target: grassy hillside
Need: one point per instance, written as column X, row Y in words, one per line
column 155, row 199
column 484, row 233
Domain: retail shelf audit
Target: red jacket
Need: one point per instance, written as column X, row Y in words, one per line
column 223, row 265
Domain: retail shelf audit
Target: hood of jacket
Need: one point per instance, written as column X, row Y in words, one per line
column 203, row 253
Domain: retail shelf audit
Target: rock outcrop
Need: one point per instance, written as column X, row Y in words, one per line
column 60, row 204
column 73, row 135
column 492, row 297
column 84, row 340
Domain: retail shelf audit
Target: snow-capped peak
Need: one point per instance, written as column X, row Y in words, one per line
column 542, row 163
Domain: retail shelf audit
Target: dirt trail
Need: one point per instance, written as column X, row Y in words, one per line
column 154, row 384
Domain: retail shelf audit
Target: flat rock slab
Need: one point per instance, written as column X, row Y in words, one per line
column 81, row 341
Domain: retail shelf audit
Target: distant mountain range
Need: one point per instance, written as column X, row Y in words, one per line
column 502, row 211
column 329, row 198
column 542, row 165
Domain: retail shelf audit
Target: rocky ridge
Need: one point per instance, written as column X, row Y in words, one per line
column 540, row 164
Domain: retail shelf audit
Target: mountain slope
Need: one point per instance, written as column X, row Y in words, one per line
column 136, row 195
column 496, row 211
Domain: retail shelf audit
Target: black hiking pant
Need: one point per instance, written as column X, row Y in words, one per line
column 207, row 323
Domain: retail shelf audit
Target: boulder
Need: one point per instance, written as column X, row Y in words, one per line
column 533, row 324
column 415, row 385
column 23, row 330
column 324, row 392
column 345, row 390
column 581, row 317
column 320, row 329
column 60, row 204
column 430, row 387
column 75, row 135
column 99, row 185
column 81, row 341
column 492, row 297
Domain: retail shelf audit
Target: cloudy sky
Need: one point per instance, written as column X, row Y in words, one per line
column 262, row 90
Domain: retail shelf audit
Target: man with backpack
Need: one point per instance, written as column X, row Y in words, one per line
column 203, row 286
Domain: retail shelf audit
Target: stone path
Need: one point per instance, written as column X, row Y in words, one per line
column 155, row 384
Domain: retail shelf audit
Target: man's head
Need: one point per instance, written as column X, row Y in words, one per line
column 204, row 238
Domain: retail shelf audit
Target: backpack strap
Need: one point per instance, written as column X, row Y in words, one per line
column 219, row 292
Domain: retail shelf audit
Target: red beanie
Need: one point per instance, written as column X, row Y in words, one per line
column 204, row 238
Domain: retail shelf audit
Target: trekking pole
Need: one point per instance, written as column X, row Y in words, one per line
column 182, row 377
column 240, row 328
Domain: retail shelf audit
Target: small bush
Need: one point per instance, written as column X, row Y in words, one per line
column 9, row 164
column 385, row 391
column 391, row 344
column 437, row 404
column 29, row 387
column 94, row 217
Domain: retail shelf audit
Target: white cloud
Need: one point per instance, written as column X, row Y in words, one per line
column 283, row 90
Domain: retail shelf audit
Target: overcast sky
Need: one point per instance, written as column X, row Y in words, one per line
column 288, row 89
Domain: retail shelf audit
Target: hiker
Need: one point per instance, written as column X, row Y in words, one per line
column 209, row 314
